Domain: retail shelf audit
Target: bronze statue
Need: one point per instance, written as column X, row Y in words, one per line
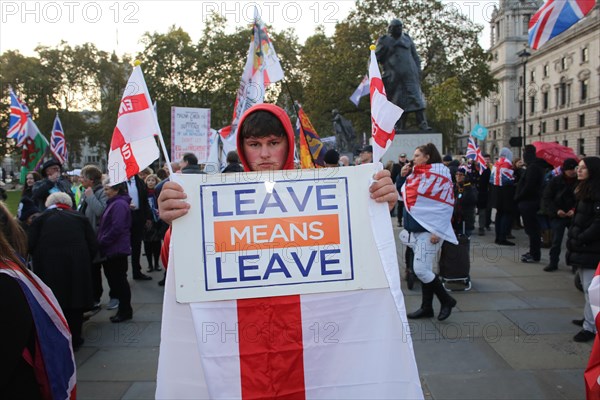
column 402, row 73
column 345, row 137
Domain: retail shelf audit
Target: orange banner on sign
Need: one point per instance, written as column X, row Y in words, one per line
column 277, row 232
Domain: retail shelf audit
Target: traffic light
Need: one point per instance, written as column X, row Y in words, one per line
column 516, row 141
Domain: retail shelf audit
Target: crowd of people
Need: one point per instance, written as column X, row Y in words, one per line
column 70, row 229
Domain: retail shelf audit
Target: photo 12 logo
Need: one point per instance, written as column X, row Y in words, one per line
column 69, row 11
column 319, row 12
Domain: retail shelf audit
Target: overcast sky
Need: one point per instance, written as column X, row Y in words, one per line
column 118, row 25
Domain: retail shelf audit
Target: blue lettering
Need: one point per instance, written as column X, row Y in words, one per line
column 304, row 271
column 220, row 278
column 244, row 268
column 271, row 269
column 325, row 262
column 301, row 206
column 321, row 197
column 239, row 202
column 216, row 212
column 277, row 203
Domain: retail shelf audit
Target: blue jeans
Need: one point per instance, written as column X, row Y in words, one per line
column 558, row 226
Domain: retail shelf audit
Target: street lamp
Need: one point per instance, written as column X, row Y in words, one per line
column 524, row 55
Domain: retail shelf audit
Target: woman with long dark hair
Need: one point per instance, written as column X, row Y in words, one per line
column 427, row 221
column 583, row 243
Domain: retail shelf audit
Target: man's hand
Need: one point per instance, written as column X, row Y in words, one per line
column 170, row 202
column 89, row 192
column 434, row 239
column 561, row 214
column 384, row 190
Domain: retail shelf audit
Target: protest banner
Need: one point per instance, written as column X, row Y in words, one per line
column 276, row 237
column 190, row 128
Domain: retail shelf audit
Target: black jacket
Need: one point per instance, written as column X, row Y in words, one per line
column 559, row 195
column 41, row 190
column 529, row 187
column 583, row 243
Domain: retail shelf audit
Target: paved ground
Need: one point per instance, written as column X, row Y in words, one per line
column 510, row 337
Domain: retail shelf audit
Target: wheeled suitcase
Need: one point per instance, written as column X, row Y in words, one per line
column 455, row 264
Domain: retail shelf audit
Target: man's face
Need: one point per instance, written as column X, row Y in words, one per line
column 267, row 153
column 53, row 170
column 402, row 159
column 366, row 157
column 85, row 182
column 396, row 30
column 570, row 173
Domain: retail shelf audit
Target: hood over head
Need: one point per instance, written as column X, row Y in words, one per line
column 282, row 116
column 506, row 153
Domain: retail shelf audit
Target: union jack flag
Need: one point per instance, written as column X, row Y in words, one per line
column 53, row 360
column 58, row 145
column 502, row 173
column 474, row 153
column 554, row 17
column 19, row 115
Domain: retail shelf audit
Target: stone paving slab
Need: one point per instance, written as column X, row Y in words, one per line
column 545, row 321
column 445, row 356
column 101, row 390
column 495, row 285
column 121, row 364
column 543, row 352
column 553, row 299
column 568, row 382
column 474, row 301
column 489, row 325
column 510, row 385
column 548, row 282
column 141, row 391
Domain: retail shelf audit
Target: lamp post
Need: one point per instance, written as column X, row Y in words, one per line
column 524, row 54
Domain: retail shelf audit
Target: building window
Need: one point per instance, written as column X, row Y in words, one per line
column 556, row 125
column 495, row 112
column 519, row 131
column 532, row 76
column 546, row 70
column 563, row 94
column 520, row 80
column 545, row 101
column 530, row 130
column 581, row 120
column 494, row 134
column 566, row 123
column 597, row 144
column 520, row 108
column 581, row 146
column 566, row 143
column 557, row 96
column 585, row 55
column 544, row 127
column 584, row 89
column 563, row 63
column 532, row 105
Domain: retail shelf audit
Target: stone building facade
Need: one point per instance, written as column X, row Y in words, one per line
column 561, row 102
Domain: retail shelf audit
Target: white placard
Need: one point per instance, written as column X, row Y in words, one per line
column 190, row 128
column 261, row 234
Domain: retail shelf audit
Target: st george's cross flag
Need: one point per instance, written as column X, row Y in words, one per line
column 384, row 113
column 428, row 196
column 262, row 68
column 554, row 17
column 133, row 146
column 592, row 372
column 58, row 144
column 53, row 362
column 474, row 153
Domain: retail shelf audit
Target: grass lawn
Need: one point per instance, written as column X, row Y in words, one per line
column 14, row 196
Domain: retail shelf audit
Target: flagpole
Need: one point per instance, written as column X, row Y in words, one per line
column 299, row 120
column 137, row 63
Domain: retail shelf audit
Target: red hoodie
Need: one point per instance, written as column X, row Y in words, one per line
column 289, row 162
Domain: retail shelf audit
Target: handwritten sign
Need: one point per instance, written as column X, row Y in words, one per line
column 257, row 235
column 190, row 128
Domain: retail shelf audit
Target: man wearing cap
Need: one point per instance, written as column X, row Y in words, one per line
column 332, row 158
column 53, row 182
column 366, row 155
column 558, row 203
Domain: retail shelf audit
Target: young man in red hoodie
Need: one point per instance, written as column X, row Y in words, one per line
column 265, row 142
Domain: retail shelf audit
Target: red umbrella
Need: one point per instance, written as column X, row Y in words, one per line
column 553, row 153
